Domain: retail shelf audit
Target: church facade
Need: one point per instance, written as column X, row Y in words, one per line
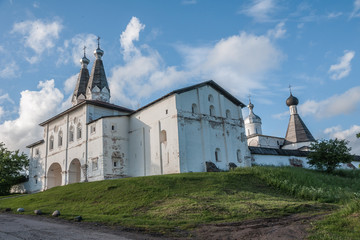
column 187, row 130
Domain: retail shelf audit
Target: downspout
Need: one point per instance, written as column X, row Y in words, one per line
column 67, row 149
column 46, row 155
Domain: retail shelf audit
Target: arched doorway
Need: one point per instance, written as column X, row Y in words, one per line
column 74, row 171
column 54, row 176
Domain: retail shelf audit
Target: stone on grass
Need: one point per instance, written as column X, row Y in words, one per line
column 78, row 219
column 20, row 210
column 56, row 213
column 38, row 212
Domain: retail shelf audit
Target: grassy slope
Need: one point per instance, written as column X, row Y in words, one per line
column 164, row 203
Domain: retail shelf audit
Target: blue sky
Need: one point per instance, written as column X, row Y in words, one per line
column 254, row 47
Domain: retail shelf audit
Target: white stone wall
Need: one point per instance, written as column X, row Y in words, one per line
column 276, row 160
column 265, row 141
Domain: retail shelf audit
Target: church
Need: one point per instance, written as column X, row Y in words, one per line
column 191, row 129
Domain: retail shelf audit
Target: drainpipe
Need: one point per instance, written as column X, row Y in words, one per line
column 46, row 156
column 66, row 149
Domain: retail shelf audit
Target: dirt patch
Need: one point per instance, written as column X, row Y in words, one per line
column 290, row 227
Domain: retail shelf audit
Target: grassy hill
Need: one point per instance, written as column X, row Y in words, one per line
column 183, row 201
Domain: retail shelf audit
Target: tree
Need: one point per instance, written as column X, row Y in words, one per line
column 12, row 165
column 328, row 154
column 358, row 135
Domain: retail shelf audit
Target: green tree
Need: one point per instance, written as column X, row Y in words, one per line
column 12, row 164
column 328, row 154
column 358, row 135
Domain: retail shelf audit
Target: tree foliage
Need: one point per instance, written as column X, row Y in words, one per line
column 328, row 154
column 358, row 135
column 12, row 166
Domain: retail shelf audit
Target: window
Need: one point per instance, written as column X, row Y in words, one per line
column 211, row 98
column 228, row 113
column 238, row 155
column 194, row 108
column 162, row 136
column 212, row 110
column 93, row 128
column 71, row 134
column 51, row 143
column 60, row 138
column 217, row 155
column 94, row 164
column 37, row 152
column 78, row 131
column 166, row 111
column 112, row 127
column 115, row 163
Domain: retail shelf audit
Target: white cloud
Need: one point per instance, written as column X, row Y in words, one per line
column 188, row 2
column 36, row 5
column 343, row 68
column 73, row 48
column 7, row 98
column 336, row 105
column 239, row 62
column 356, row 10
column 128, row 37
column 35, row 107
column 278, row 32
column 260, row 10
column 348, row 134
column 69, row 84
column 334, row 15
column 38, row 35
column 1, row 111
column 10, row 70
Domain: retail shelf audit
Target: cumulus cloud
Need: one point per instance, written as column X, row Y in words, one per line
column 74, row 48
column 1, row 112
column 38, row 35
column 260, row 10
column 240, row 60
column 343, row 68
column 344, row 103
column 356, row 10
column 278, row 32
column 10, row 70
column 35, row 107
column 348, row 134
column 70, row 83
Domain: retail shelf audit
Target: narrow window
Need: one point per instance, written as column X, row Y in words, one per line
column 115, row 163
column 94, row 164
column 78, row 131
column 37, row 152
column 238, row 155
column 211, row 98
column 93, row 128
column 228, row 113
column 194, row 108
column 217, row 155
column 162, row 136
column 60, row 138
column 112, row 127
column 166, row 111
column 71, row 134
column 212, row 110
column 51, row 144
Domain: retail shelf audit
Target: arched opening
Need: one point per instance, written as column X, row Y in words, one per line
column 194, row 108
column 54, row 176
column 74, row 171
column 218, row 155
column 60, row 138
column 211, row 98
column 71, row 134
column 51, row 143
column 78, row 131
column 212, row 110
column 238, row 156
column 228, row 113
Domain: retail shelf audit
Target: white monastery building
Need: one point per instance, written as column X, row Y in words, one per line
column 194, row 129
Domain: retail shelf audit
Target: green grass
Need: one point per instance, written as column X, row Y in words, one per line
column 183, row 201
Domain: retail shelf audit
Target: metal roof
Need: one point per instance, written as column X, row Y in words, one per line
column 297, row 131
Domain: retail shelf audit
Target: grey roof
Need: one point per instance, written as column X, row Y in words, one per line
column 276, row 151
column 82, row 82
column 98, row 77
column 92, row 102
column 297, row 131
column 185, row 89
column 35, row 143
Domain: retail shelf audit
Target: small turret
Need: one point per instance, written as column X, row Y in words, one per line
column 82, row 81
column 252, row 122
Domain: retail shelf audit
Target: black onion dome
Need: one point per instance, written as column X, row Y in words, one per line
column 292, row 101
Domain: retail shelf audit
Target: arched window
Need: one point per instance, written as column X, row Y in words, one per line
column 238, row 155
column 194, row 108
column 228, row 113
column 51, row 143
column 212, row 110
column 71, row 134
column 162, row 136
column 211, row 98
column 78, row 131
column 60, row 138
column 218, row 155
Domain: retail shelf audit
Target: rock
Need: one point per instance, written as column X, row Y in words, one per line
column 7, row 209
column 38, row 212
column 232, row 166
column 56, row 213
column 78, row 219
column 20, row 210
column 211, row 167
